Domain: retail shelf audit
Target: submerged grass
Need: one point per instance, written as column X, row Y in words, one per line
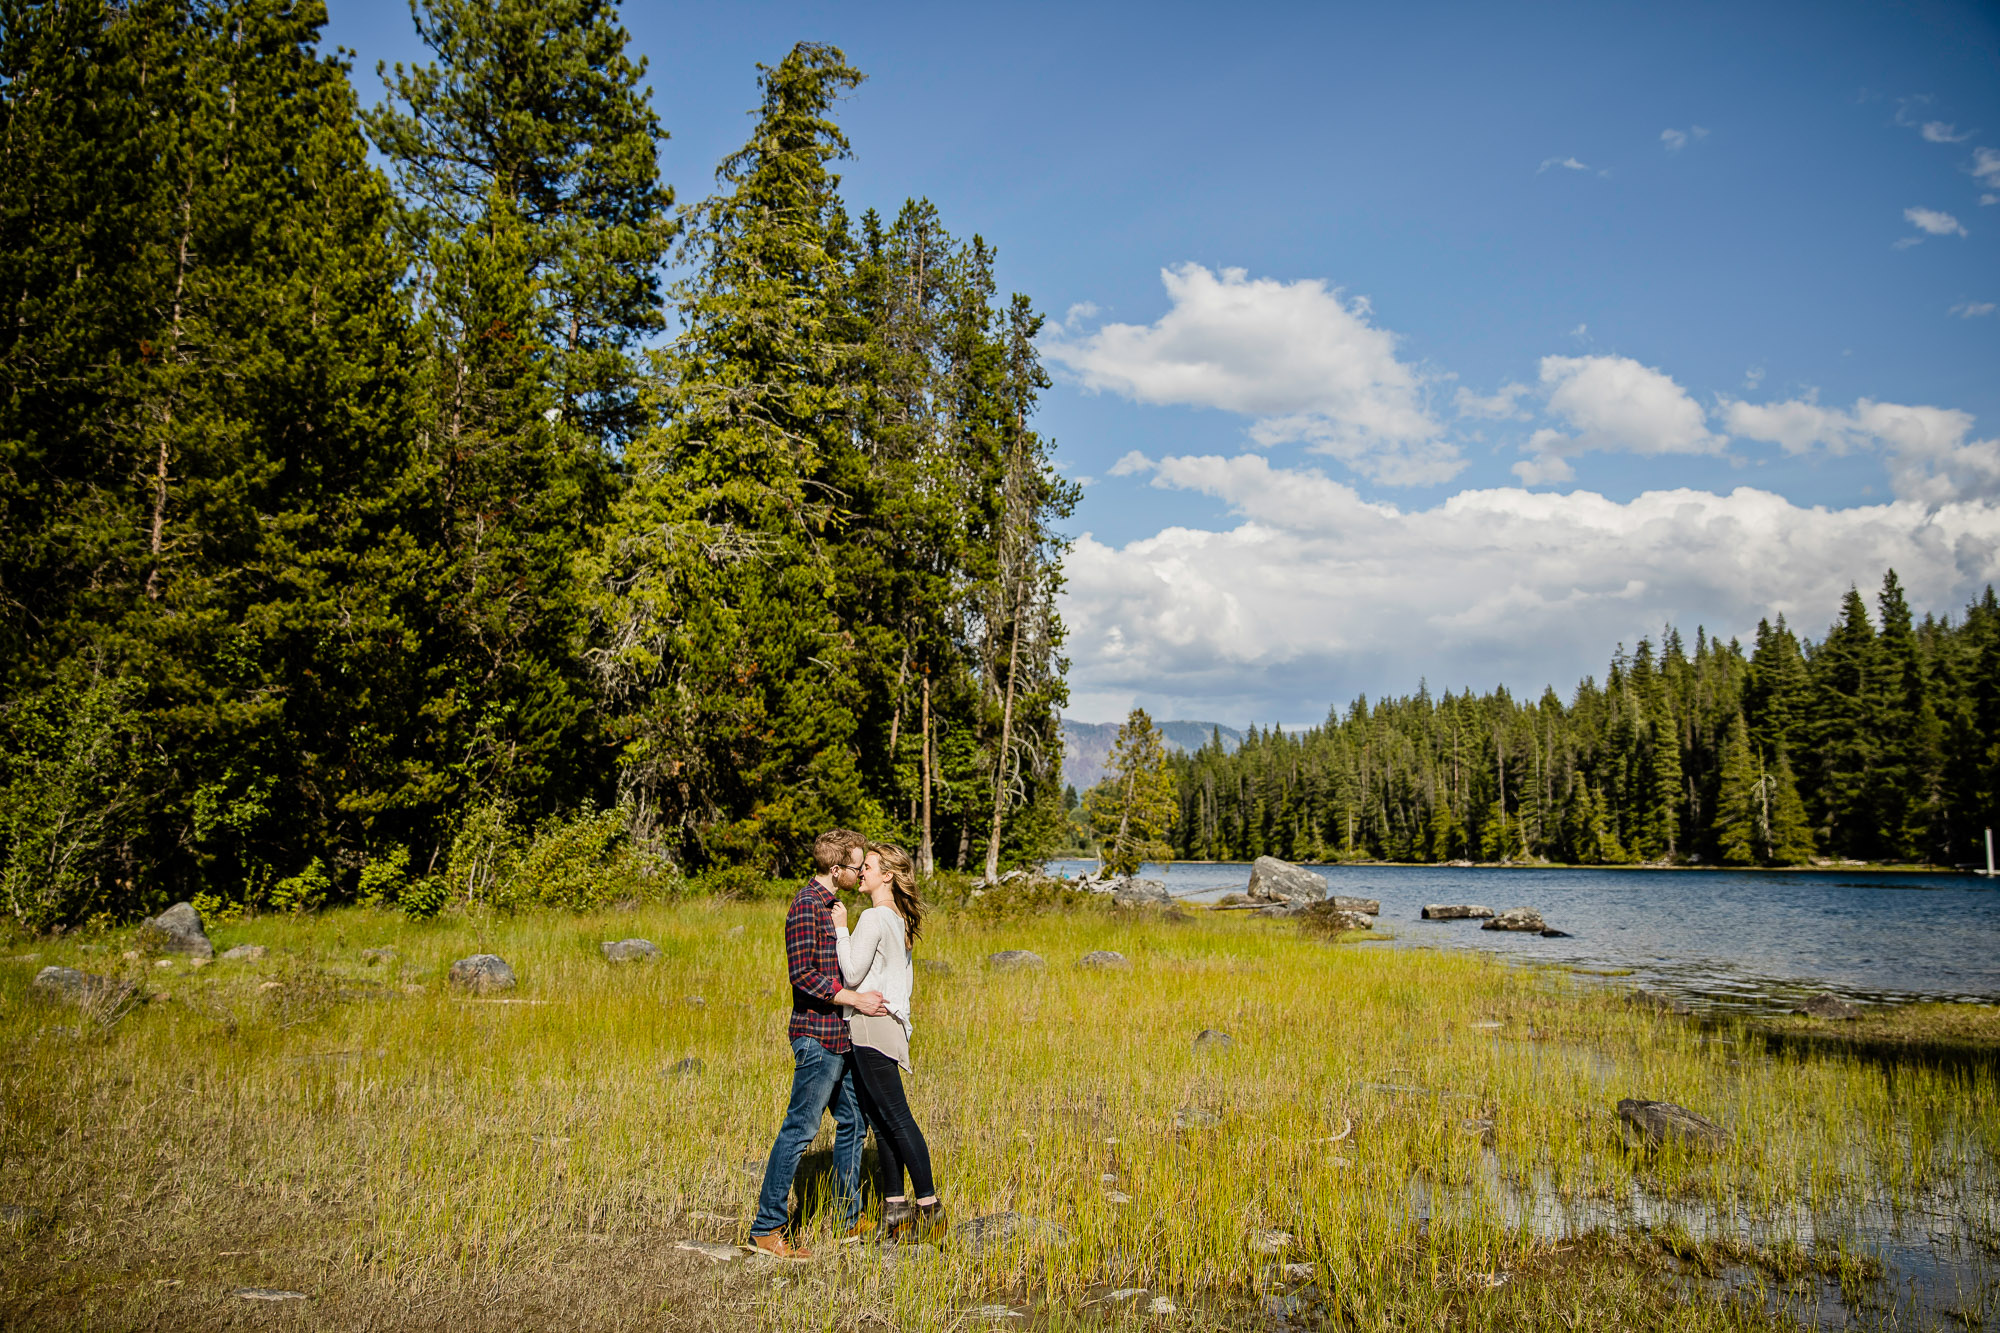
column 1434, row 1133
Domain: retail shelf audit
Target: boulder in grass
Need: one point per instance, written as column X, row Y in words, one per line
column 1660, row 1123
column 1830, row 1006
column 1210, row 1039
column 176, row 930
column 1518, row 918
column 1275, row 881
column 629, row 951
column 82, row 988
column 1326, row 919
column 1135, row 892
column 482, row 973
column 1014, row 960
column 245, row 953
column 1104, row 958
column 377, row 957
column 1456, row 912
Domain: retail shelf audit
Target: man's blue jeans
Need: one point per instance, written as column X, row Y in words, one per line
column 821, row 1081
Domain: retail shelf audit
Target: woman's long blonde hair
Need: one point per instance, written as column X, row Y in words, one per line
column 902, row 886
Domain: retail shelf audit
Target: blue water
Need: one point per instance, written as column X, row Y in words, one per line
column 1721, row 938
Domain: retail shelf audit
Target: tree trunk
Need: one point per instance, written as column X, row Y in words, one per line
column 926, row 863
column 1001, row 786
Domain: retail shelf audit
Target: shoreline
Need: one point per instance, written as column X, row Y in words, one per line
column 1865, row 867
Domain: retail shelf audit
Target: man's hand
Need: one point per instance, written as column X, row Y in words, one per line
column 839, row 913
column 869, row 1002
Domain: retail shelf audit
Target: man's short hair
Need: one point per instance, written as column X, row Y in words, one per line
column 833, row 847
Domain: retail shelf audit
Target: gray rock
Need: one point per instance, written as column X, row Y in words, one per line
column 938, row 965
column 267, row 1294
column 994, row 1230
column 1280, row 909
column 23, row 1218
column 629, row 951
column 1551, row 933
column 1104, row 958
column 373, row 957
column 176, row 930
column 687, row 1067
column 1517, row 918
column 1013, row 960
column 1365, row 906
column 1136, row 892
column 481, row 973
column 82, row 988
column 1211, row 1039
column 1326, row 919
column 1297, row 1272
column 246, row 953
column 711, row 1250
column 1456, row 912
column 1830, row 1006
column 1664, row 1122
column 1272, row 1242
column 1195, row 1117
column 1275, row 881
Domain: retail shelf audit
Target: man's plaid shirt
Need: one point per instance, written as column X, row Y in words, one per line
column 815, row 967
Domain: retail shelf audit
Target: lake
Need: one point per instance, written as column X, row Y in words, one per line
column 1721, row 938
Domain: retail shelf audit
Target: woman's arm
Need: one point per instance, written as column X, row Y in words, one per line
column 857, row 950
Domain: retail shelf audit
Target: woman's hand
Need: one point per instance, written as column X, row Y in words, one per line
column 839, row 911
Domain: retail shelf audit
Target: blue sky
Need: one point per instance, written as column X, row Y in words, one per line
column 1447, row 341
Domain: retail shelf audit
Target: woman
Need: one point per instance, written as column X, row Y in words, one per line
column 877, row 957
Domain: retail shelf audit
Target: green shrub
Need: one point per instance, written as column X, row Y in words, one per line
column 384, row 879
column 422, row 899
column 484, row 855
column 303, row 892
column 576, row 863
column 740, row 884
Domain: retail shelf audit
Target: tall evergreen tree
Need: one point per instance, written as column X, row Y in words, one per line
column 1846, row 672
column 527, row 154
column 1132, row 809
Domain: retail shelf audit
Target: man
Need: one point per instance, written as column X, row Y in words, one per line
column 822, row 1078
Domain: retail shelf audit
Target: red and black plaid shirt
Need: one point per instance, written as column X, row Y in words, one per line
column 814, row 963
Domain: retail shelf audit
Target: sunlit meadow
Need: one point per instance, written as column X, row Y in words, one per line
column 1391, row 1138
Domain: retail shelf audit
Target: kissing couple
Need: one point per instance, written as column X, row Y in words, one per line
column 850, row 1036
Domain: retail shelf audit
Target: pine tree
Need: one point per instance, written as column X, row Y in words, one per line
column 527, row 156
column 1841, row 729
column 733, row 683
column 1742, row 818
column 1132, row 810
column 1791, row 828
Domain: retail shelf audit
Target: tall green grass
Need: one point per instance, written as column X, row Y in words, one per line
column 396, row 1138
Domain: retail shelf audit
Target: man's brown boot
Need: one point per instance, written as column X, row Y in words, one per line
column 775, row 1246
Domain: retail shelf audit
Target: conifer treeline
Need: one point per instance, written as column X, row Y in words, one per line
column 337, row 509
column 1879, row 742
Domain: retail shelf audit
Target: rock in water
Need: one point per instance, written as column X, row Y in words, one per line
column 176, row 930
column 1663, row 1122
column 1104, row 958
column 1551, row 933
column 1830, row 1006
column 1326, row 919
column 1136, row 892
column 996, row 1229
column 629, row 951
column 246, row 953
column 1365, row 906
column 1013, row 960
column 74, row 987
column 1518, row 918
column 481, row 973
column 1456, row 912
column 1275, row 881
column 1210, row 1039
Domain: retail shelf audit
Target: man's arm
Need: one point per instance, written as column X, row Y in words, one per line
column 803, row 927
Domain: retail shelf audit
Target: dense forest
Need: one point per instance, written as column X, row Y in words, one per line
column 1879, row 742
column 359, row 520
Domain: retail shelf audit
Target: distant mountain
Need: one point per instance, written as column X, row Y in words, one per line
column 1087, row 745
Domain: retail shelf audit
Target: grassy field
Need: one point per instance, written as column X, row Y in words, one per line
column 1434, row 1134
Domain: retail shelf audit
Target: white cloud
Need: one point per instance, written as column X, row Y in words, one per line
column 1972, row 309
column 1929, row 458
column 1986, row 170
column 1613, row 404
column 1936, row 131
column 1753, row 377
column 1502, row 406
column 1307, row 364
column 1931, row 221
column 1567, row 163
column 1675, row 140
column 1316, row 594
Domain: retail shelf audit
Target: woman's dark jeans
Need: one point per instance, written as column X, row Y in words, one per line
column 898, row 1141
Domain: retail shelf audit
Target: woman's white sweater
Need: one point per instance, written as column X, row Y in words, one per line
column 876, row 957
